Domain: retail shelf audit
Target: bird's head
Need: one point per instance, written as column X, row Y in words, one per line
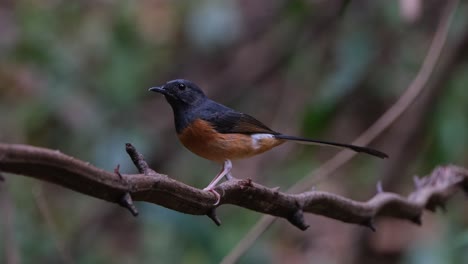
column 180, row 93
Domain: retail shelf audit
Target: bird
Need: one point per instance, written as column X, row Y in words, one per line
column 221, row 134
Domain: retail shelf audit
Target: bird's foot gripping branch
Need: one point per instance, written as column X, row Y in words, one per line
column 53, row 166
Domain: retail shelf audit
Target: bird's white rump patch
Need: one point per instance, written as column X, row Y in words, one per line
column 257, row 138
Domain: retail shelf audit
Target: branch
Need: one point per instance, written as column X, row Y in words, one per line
column 52, row 166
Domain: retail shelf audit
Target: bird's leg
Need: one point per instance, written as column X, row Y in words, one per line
column 225, row 171
column 229, row 176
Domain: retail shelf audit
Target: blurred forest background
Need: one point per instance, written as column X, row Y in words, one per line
column 74, row 77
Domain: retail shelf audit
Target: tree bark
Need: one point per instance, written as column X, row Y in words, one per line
column 53, row 166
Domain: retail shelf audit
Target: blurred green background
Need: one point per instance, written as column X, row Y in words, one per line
column 74, row 76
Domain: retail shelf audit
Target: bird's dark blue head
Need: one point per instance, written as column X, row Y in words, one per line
column 184, row 97
column 181, row 93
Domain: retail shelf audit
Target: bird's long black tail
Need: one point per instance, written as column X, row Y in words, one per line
column 369, row 151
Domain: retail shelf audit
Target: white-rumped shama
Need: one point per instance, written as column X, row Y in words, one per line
column 219, row 133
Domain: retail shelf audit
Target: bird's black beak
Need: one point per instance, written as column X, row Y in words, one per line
column 158, row 89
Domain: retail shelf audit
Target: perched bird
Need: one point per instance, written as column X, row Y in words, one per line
column 219, row 133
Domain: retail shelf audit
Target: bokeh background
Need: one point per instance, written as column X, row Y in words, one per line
column 74, row 76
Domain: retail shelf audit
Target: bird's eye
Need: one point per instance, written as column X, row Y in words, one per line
column 182, row 86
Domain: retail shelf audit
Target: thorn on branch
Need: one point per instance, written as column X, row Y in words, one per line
column 465, row 187
column 117, row 171
column 417, row 220
column 212, row 215
column 138, row 160
column 127, row 202
column 275, row 189
column 379, row 187
column 417, row 182
column 369, row 223
column 297, row 219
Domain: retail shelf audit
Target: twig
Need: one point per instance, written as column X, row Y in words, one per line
column 212, row 215
column 53, row 166
column 126, row 200
column 386, row 120
column 138, row 160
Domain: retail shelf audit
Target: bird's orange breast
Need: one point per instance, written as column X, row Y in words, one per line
column 202, row 139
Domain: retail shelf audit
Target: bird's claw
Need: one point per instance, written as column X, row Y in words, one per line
column 217, row 195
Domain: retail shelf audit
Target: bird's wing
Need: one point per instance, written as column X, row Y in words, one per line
column 235, row 122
